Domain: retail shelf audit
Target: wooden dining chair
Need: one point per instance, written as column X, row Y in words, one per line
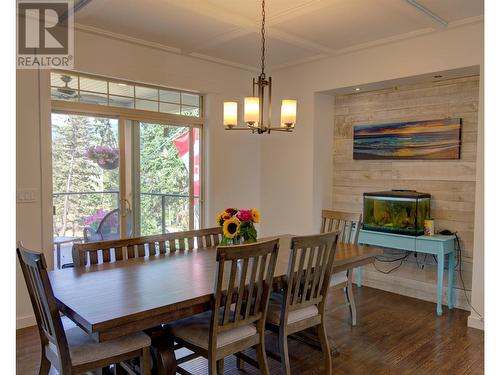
column 237, row 319
column 64, row 345
column 137, row 247
column 348, row 224
column 302, row 302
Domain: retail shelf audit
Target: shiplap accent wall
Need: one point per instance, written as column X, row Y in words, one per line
column 451, row 183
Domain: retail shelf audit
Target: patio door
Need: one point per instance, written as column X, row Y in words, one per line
column 86, row 178
column 166, row 178
column 115, row 178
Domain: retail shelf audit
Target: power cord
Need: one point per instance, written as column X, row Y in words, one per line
column 458, row 264
column 459, row 251
column 401, row 260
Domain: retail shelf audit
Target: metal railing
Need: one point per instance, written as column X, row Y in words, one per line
column 163, row 200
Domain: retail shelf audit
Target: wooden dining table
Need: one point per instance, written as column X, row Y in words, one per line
column 114, row 299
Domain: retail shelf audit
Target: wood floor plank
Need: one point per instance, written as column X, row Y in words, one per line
column 395, row 335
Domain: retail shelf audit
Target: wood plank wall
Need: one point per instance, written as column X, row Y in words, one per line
column 451, row 183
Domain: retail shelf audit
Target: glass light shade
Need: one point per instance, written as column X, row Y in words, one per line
column 230, row 114
column 252, row 110
column 288, row 113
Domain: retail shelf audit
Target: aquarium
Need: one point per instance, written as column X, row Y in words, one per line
column 396, row 211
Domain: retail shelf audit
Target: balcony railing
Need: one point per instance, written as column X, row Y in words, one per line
column 166, row 203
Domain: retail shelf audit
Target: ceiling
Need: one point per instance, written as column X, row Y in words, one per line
column 297, row 31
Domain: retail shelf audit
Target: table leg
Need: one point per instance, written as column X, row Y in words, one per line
column 350, row 297
column 58, row 256
column 360, row 276
column 440, row 271
column 451, row 278
column 163, row 349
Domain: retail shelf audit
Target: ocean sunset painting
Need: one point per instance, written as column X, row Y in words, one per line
column 424, row 140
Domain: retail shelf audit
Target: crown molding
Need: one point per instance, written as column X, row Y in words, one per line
column 126, row 38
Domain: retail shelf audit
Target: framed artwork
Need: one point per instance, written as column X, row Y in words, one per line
column 417, row 140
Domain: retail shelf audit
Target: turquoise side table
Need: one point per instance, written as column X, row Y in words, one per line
column 437, row 245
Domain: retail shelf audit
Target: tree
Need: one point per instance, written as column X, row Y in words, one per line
column 162, row 171
column 73, row 172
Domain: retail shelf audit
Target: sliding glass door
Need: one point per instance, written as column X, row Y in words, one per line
column 86, row 182
column 166, row 178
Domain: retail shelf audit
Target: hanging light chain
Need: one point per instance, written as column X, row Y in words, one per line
column 263, row 33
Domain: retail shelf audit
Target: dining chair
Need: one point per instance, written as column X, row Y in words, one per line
column 137, row 247
column 348, row 223
column 64, row 345
column 236, row 321
column 301, row 305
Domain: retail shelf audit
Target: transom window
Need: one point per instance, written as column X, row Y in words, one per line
column 82, row 88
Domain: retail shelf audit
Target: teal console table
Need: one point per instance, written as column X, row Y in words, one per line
column 437, row 245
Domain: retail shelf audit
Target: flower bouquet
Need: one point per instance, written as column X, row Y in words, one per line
column 106, row 157
column 238, row 225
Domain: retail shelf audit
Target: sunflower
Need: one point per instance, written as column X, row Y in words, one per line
column 255, row 215
column 220, row 218
column 231, row 227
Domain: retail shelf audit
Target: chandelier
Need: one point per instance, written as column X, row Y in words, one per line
column 254, row 105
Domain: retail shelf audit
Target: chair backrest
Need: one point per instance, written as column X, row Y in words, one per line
column 347, row 223
column 244, row 279
column 309, row 270
column 42, row 298
column 109, row 251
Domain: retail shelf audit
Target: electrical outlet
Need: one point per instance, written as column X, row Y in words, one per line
column 26, row 196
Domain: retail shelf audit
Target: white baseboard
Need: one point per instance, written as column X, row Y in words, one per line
column 475, row 322
column 409, row 282
column 25, row 321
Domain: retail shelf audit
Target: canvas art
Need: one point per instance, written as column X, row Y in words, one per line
column 424, row 140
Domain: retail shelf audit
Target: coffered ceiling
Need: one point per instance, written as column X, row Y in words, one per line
column 228, row 31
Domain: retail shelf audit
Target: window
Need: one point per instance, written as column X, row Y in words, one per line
column 76, row 87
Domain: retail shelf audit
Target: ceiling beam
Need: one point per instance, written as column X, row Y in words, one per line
column 429, row 13
column 79, row 4
column 245, row 26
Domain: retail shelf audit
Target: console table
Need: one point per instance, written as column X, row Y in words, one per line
column 437, row 245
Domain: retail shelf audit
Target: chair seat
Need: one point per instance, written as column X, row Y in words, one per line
column 196, row 331
column 274, row 313
column 83, row 349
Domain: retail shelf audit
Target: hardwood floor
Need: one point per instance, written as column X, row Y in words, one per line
column 394, row 335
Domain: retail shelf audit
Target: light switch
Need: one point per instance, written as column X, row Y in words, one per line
column 26, row 196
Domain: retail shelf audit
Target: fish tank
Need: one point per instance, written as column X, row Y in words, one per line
column 396, row 211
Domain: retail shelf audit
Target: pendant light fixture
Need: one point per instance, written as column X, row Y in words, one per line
column 254, row 105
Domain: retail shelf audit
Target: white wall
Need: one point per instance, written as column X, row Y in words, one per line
column 289, row 195
column 233, row 168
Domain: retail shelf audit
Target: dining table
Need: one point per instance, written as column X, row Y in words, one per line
column 114, row 299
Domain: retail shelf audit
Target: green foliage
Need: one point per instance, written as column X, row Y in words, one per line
column 248, row 232
column 162, row 171
column 73, row 172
